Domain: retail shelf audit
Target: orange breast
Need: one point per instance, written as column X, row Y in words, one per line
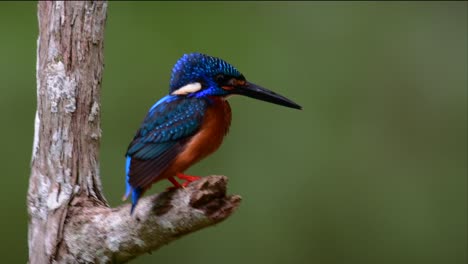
column 208, row 139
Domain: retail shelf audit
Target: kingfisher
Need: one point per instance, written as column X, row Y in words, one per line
column 189, row 123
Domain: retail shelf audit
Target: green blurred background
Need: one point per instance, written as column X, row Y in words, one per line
column 373, row 170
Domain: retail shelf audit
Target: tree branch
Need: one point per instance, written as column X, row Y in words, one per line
column 70, row 220
column 158, row 220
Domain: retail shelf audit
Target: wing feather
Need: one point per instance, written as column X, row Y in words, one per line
column 164, row 133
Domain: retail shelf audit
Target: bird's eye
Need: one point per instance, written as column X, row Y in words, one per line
column 232, row 82
column 220, row 78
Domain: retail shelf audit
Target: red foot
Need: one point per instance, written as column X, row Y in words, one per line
column 175, row 183
column 188, row 178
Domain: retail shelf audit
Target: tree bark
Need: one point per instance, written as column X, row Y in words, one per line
column 70, row 221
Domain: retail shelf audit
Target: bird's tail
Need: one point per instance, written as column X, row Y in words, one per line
column 136, row 192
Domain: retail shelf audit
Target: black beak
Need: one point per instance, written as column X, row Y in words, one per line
column 260, row 93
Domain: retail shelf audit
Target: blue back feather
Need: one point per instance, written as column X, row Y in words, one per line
column 166, row 123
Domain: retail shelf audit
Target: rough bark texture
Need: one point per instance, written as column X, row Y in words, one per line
column 70, row 220
column 99, row 234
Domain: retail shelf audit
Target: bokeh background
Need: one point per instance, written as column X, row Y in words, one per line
column 373, row 170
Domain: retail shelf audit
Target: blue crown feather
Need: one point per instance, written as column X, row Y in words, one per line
column 197, row 66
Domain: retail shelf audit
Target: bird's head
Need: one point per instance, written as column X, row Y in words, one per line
column 200, row 75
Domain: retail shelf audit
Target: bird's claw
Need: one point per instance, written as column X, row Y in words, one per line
column 187, row 178
column 176, row 185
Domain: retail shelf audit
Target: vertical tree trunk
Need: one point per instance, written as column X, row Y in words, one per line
column 70, row 220
column 65, row 162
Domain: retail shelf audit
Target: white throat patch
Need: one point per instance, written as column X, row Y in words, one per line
column 189, row 88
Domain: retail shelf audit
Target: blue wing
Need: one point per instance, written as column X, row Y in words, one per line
column 168, row 126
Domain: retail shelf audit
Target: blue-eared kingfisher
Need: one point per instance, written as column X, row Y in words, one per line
column 189, row 123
